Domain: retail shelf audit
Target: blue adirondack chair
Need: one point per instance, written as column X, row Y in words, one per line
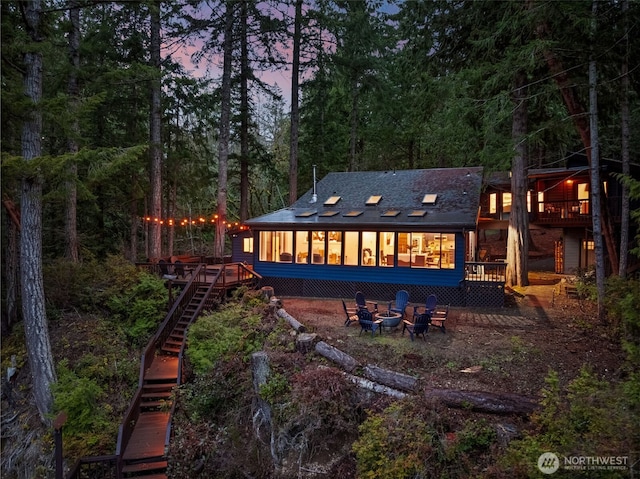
column 419, row 327
column 368, row 322
column 400, row 304
column 431, row 304
column 362, row 303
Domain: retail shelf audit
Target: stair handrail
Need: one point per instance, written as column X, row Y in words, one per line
column 131, row 415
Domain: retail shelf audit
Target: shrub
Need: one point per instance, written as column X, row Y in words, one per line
column 223, row 333
column 90, row 424
column 591, row 419
column 399, row 442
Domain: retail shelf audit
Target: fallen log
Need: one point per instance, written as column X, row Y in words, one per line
column 390, row 378
column 482, row 401
column 375, row 387
column 295, row 324
column 345, row 361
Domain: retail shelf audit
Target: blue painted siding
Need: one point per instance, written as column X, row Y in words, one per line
column 237, row 253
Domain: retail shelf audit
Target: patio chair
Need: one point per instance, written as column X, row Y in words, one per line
column 419, row 327
column 429, row 306
column 350, row 313
column 178, row 268
column 164, row 270
column 400, row 303
column 361, row 302
column 368, row 322
column 439, row 316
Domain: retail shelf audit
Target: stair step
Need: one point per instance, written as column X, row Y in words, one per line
column 170, row 342
column 146, row 405
column 144, row 467
column 157, row 395
column 170, row 349
column 158, row 386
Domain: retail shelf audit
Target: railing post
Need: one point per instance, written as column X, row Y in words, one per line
column 57, row 435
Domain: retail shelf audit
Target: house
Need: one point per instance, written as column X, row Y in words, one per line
column 377, row 232
column 560, row 199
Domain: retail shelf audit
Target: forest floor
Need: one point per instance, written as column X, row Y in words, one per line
column 509, row 349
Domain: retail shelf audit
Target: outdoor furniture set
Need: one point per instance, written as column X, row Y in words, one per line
column 372, row 320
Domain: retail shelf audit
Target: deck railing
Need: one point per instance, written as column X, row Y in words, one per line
column 485, row 271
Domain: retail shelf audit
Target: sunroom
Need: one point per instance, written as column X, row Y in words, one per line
column 376, row 232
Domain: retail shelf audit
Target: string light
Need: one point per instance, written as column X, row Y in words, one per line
column 201, row 221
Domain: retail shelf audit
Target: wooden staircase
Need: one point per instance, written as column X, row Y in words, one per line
column 145, row 454
column 143, row 436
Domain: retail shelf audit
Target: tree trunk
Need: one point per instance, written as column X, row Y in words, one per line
column 295, row 112
column 389, row 378
column 595, row 177
column 133, row 230
column 11, row 275
column 223, row 141
column 343, row 360
column 71, row 227
column 244, row 114
column 624, row 147
column 155, row 139
column 353, row 136
column 579, row 115
column 33, row 300
column 518, row 235
column 486, row 402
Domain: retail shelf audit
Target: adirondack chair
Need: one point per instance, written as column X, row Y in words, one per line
column 419, row 327
column 368, row 322
column 429, row 306
column 400, row 304
column 362, row 303
column 439, row 316
column 350, row 313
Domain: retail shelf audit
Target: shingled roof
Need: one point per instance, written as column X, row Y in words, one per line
column 428, row 199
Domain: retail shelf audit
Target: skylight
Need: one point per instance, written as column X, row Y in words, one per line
column 353, row 213
column 328, row 213
column 390, row 213
column 417, row 213
column 332, row 200
column 373, row 200
column 430, row 199
column 306, row 214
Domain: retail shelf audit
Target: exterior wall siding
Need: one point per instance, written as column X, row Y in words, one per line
column 237, row 247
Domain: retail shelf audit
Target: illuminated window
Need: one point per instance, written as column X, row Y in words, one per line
column 302, row 247
column 387, row 248
column 334, row 247
column 493, row 203
column 373, row 200
column 247, row 245
column 369, row 248
column 276, row 246
column 506, row 202
column 540, row 201
column 318, row 247
column 351, row 248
